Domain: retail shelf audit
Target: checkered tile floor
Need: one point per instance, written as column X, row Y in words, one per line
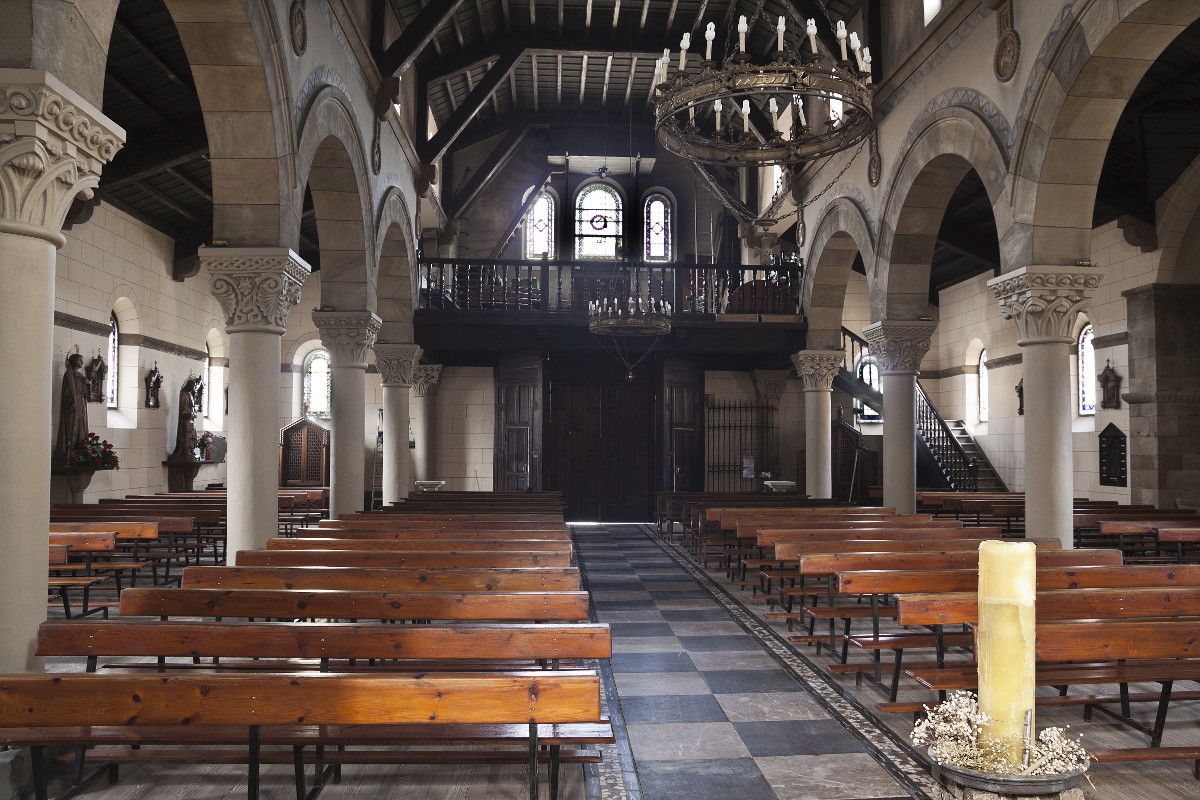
column 709, row 710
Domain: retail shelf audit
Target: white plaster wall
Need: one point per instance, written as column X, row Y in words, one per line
column 466, row 428
column 113, row 256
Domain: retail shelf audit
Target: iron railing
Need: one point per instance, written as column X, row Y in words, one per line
column 741, row 445
column 563, row 286
column 942, row 443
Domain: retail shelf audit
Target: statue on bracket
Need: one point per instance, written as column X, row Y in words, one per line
column 97, row 379
column 191, row 395
column 72, row 408
column 1110, row 387
column 1020, row 390
column 154, row 380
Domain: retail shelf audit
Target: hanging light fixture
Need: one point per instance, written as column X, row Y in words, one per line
column 629, row 329
column 739, row 87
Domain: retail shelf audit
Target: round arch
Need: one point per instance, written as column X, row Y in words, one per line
column 841, row 234
column 1178, row 229
column 236, row 44
column 331, row 161
column 672, row 209
column 396, row 277
column 945, row 146
column 1093, row 64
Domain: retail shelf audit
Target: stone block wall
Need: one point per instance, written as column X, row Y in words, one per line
column 466, row 428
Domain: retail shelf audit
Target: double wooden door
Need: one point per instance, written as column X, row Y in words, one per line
column 602, row 440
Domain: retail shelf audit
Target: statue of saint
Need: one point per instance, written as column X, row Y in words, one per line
column 72, row 408
column 185, row 433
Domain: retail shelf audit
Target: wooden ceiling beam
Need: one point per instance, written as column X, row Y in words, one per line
column 700, row 16
column 560, row 18
column 170, row 203
column 156, row 156
column 111, row 79
column 402, row 52
column 190, row 184
column 616, row 14
column 571, row 44
column 458, row 33
column 587, row 17
column 533, row 61
column 433, row 150
column 492, row 166
column 507, row 18
column 151, row 55
column 583, row 79
column 533, row 15
column 645, row 13
column 563, row 118
column 629, row 83
column 671, row 13
column 607, row 75
column 559, row 77
column 483, row 31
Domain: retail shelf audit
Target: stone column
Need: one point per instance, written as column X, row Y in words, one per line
column 396, row 363
column 425, row 383
column 898, row 348
column 256, row 287
column 1045, row 302
column 817, row 369
column 53, row 145
column 347, row 335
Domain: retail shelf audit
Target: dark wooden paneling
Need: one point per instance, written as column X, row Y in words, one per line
column 518, row 455
column 683, row 424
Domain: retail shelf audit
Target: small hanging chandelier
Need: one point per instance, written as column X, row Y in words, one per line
column 629, row 329
column 696, row 109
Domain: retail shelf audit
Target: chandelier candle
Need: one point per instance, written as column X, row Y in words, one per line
column 780, row 29
column 717, row 112
column 856, row 46
column 774, row 106
column 811, row 30
column 746, row 117
column 1004, row 645
column 683, row 48
column 710, row 33
column 841, row 37
column 743, row 28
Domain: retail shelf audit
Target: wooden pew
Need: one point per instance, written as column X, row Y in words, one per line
column 391, row 532
column 440, row 543
column 89, row 710
column 537, row 579
column 401, row 559
column 565, row 606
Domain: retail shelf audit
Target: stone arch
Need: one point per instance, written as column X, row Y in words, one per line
column 842, row 233
column 215, row 339
column 1092, row 64
column 123, row 303
column 1178, row 229
column 331, row 159
column 946, row 145
column 233, row 50
column 397, row 281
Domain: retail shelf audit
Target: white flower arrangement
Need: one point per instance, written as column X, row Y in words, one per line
column 953, row 731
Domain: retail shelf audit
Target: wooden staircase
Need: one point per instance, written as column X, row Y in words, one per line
column 989, row 480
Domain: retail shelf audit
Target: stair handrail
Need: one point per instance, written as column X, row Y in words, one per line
column 941, row 441
column 853, row 349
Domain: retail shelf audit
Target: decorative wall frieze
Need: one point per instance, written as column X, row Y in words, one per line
column 256, row 286
column 1000, row 362
column 1045, row 301
column 425, row 379
column 396, row 362
column 1164, row 396
column 53, row 144
column 818, row 368
column 347, row 335
column 899, row 346
column 769, row 384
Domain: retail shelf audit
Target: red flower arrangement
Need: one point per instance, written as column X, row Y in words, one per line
column 93, row 453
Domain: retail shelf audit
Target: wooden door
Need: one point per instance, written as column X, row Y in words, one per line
column 518, row 443
column 602, row 440
column 683, row 426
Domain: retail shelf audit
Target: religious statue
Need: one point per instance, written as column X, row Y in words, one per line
column 154, row 380
column 97, row 380
column 190, row 396
column 72, row 408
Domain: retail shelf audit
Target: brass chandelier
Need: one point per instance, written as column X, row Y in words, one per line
column 805, row 84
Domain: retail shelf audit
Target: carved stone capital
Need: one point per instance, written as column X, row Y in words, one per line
column 396, row 362
column 770, row 383
column 898, row 347
column 818, row 368
column 1044, row 301
column 347, row 335
column 53, row 144
column 256, row 286
column 425, row 379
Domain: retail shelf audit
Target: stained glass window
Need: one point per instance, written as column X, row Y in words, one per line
column 111, row 389
column 207, row 381
column 597, row 222
column 1087, row 373
column 656, row 216
column 983, row 387
column 318, row 388
column 539, row 227
column 868, row 373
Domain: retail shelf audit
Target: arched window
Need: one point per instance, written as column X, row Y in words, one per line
column 539, row 227
column 597, row 222
column 318, row 388
column 110, row 391
column 983, row 387
column 656, row 217
column 1087, row 373
column 868, row 373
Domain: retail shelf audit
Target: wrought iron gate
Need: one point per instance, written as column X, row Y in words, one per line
column 740, row 440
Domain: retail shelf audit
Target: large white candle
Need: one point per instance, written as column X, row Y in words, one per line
column 771, row 104
column 841, row 37
column 1005, row 646
column 742, row 29
column 745, row 116
column 717, row 113
column 780, row 27
column 710, row 33
column 811, row 29
column 683, row 48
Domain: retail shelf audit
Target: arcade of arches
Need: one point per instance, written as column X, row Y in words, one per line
column 315, row 206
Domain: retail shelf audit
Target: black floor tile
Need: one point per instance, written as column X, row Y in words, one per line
column 740, row 681
column 651, row 662
column 685, row 594
column 696, row 615
column 797, row 738
column 671, row 708
column 717, row 779
column 640, row 629
column 622, row 605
